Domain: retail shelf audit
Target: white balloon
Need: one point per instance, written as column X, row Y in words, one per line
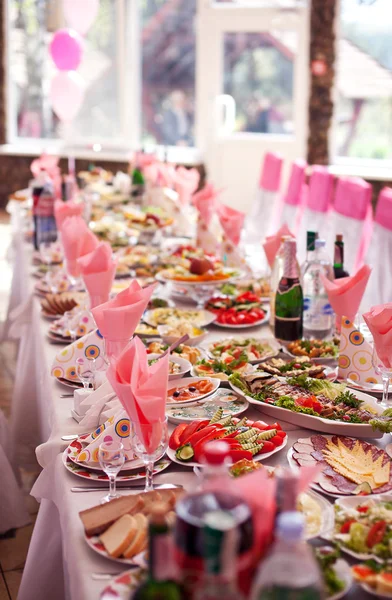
column 80, row 14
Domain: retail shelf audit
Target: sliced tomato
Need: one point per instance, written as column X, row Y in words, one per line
column 362, row 509
column 363, row 572
column 345, row 528
column 267, row 447
column 376, row 534
column 277, row 440
column 237, row 455
column 260, row 425
column 237, row 352
column 281, row 434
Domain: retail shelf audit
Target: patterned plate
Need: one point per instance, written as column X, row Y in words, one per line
column 122, row 585
column 230, row 402
column 95, row 544
column 82, row 471
column 76, row 446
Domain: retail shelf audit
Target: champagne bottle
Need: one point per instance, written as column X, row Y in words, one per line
column 160, row 583
column 289, row 297
column 276, row 274
column 338, row 260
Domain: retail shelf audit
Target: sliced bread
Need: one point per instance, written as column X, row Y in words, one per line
column 139, row 541
column 98, row 518
column 118, row 536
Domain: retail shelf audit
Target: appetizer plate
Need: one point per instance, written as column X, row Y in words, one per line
column 360, row 430
column 263, row 321
column 86, row 473
column 273, row 350
column 258, row 457
column 95, row 544
column 327, row 360
column 76, row 446
column 188, row 382
column 185, row 365
column 373, row 592
column 170, row 339
column 76, row 384
column 316, row 510
column 231, row 403
column 232, row 275
column 200, row 318
column 343, row 571
column 121, row 586
column 370, row 388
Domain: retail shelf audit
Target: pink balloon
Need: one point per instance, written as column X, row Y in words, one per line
column 80, row 15
column 66, row 94
column 66, row 49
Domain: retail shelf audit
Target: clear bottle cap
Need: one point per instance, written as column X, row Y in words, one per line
column 290, row 526
column 319, row 244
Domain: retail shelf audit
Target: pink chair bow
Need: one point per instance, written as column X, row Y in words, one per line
column 271, row 172
column 48, row 163
column 186, row 182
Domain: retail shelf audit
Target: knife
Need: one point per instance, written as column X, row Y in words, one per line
column 163, row 486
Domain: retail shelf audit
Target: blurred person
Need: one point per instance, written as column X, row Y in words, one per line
column 259, row 116
column 176, row 122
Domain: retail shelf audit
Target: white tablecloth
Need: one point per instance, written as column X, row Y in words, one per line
column 59, row 562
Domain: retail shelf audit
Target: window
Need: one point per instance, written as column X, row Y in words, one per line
column 363, row 110
column 138, row 67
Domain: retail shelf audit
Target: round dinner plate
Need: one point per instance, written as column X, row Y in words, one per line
column 121, row 586
column 207, row 317
column 258, row 457
column 72, row 384
column 263, row 321
column 76, row 446
column 231, row 403
column 373, row 592
column 85, row 473
column 326, row 360
column 95, row 544
column 237, row 275
column 188, row 381
column 185, row 365
column 271, row 342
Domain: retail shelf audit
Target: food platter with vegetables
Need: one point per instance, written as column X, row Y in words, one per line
column 191, row 389
column 285, row 366
column 243, row 310
column 224, row 400
column 374, row 578
column 251, row 440
column 322, row 351
column 315, row 404
column 255, row 349
column 222, row 369
column 335, row 571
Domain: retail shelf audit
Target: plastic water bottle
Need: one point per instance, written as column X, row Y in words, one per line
column 318, row 319
column 290, row 572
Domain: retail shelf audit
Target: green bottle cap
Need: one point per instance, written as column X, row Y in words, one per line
column 311, row 237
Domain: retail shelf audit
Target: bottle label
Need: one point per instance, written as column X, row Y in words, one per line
column 163, row 564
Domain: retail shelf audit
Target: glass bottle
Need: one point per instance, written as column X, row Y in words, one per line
column 318, row 313
column 276, row 275
column 338, row 258
column 161, row 579
column 220, row 543
column 311, row 237
column 43, row 209
column 290, row 571
column 289, row 297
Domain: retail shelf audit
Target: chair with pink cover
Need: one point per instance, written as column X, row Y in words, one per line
column 260, row 218
column 292, row 201
column 351, row 216
column 232, row 221
column 209, row 232
column 379, row 254
column 315, row 214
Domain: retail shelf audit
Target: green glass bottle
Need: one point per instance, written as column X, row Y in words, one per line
column 289, row 298
column 338, row 259
column 160, row 583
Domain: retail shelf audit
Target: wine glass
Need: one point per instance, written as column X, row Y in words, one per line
column 45, row 252
column 150, row 442
column 111, row 457
column 85, row 369
column 71, row 323
column 202, row 294
column 383, row 367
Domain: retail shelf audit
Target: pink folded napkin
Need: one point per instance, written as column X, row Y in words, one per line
column 345, row 294
column 379, row 321
column 352, row 198
column 320, row 189
column 98, row 269
column 142, row 390
column 383, row 214
column 232, row 221
column 62, row 210
column 206, row 202
column 271, row 171
column 77, row 240
column 273, row 242
column 117, row 319
column 160, row 174
column 186, row 182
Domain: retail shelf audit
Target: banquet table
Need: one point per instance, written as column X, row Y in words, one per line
column 59, row 562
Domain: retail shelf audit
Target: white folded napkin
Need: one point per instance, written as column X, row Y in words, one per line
column 93, row 404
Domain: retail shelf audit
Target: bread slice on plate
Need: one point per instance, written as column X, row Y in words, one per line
column 138, row 544
column 99, row 518
column 119, row 535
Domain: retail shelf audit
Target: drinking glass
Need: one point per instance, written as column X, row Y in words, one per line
column 385, row 371
column 85, row 369
column 202, row 294
column 45, row 252
column 111, row 457
column 71, row 323
column 51, row 279
column 150, row 442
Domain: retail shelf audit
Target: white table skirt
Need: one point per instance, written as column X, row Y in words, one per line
column 59, row 562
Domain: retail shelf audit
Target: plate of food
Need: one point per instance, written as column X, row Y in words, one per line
column 192, row 389
column 178, row 366
column 363, row 527
column 222, row 369
column 259, row 286
column 171, row 333
column 146, row 331
column 173, row 316
column 76, row 447
column 238, row 312
column 200, row 272
column 335, row 571
column 255, row 440
column 190, row 353
column 255, row 349
column 285, row 366
column 222, row 402
column 53, row 306
column 321, row 351
column 350, row 467
column 374, row 578
column 117, row 530
column 317, row 404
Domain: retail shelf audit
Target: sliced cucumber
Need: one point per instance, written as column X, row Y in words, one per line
column 267, row 435
column 217, row 416
column 252, row 447
column 242, row 422
column 250, row 433
column 226, row 422
column 230, row 430
column 363, row 489
column 185, row 453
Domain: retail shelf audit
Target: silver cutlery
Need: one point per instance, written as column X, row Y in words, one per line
column 66, row 396
column 163, row 486
column 106, row 576
column 69, row 438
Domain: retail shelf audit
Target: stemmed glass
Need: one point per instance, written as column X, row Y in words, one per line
column 71, row 323
column 202, row 294
column 85, row 370
column 150, row 442
column 45, row 252
column 111, row 457
column 385, row 372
